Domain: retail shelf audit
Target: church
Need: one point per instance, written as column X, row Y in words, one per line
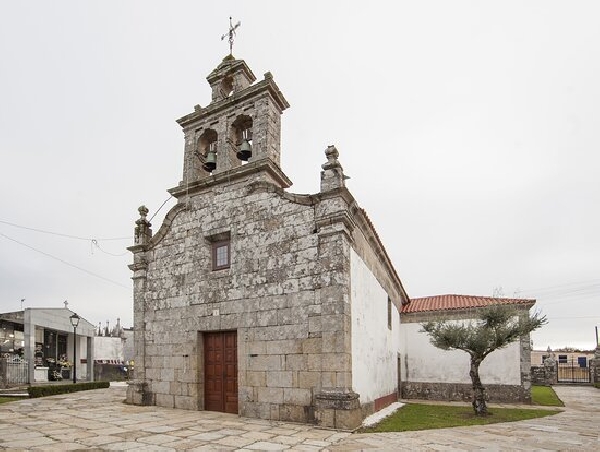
column 253, row 300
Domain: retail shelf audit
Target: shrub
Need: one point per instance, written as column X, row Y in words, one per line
column 44, row 391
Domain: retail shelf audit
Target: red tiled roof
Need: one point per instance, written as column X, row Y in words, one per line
column 453, row 302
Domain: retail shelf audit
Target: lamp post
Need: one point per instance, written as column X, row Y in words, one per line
column 74, row 321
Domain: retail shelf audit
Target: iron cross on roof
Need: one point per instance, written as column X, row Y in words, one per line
column 231, row 34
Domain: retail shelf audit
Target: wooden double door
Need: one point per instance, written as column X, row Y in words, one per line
column 220, row 371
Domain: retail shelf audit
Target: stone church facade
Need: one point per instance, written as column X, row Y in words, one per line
column 251, row 299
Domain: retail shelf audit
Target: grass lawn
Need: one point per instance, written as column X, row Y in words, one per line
column 414, row 416
column 545, row 396
column 11, row 399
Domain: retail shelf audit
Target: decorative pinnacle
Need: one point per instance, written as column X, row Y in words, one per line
column 143, row 210
column 231, row 34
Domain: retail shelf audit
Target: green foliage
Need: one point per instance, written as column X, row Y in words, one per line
column 415, row 416
column 496, row 327
column 44, row 391
column 545, row 396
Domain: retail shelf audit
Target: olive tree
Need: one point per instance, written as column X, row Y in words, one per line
column 496, row 327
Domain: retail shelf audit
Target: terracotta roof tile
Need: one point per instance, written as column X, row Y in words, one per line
column 452, row 302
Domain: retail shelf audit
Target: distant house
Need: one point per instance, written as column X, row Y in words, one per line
column 580, row 358
column 430, row 373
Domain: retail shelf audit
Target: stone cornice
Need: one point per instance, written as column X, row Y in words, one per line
column 343, row 217
column 136, row 248
column 236, row 173
column 138, row 266
column 229, row 66
column 268, row 187
column 266, row 87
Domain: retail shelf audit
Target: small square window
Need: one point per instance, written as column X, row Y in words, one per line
column 562, row 358
column 221, row 255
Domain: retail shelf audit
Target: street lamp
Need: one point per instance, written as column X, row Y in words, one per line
column 74, row 321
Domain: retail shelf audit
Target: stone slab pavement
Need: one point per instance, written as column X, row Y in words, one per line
column 100, row 420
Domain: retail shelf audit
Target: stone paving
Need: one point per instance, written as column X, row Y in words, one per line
column 99, row 420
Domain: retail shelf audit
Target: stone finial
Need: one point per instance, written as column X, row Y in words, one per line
column 332, row 155
column 332, row 176
column 142, row 233
column 551, row 359
column 143, row 210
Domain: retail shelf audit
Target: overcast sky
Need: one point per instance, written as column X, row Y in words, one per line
column 470, row 130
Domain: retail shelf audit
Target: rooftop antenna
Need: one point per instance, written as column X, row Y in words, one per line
column 231, row 34
column 66, row 304
column 22, row 301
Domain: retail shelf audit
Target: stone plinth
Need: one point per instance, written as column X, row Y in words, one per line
column 339, row 410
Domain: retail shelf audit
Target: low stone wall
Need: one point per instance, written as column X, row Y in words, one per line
column 545, row 375
column 595, row 368
column 538, row 375
column 109, row 372
column 464, row 392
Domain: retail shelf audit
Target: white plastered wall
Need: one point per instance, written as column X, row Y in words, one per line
column 374, row 346
column 108, row 348
column 424, row 363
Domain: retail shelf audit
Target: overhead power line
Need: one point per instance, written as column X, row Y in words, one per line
column 97, row 245
column 161, row 206
column 562, row 286
column 59, row 234
column 65, row 262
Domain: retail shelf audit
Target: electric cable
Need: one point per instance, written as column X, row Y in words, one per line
column 69, row 236
column 65, row 262
column 97, row 245
column 162, row 205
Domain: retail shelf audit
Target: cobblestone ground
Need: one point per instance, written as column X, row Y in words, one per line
column 99, row 420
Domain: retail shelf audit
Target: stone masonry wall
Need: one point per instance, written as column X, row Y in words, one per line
column 268, row 295
column 462, row 392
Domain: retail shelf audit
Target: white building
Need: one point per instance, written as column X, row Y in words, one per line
column 45, row 338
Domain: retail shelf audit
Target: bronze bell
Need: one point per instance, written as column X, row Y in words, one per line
column 211, row 161
column 245, row 151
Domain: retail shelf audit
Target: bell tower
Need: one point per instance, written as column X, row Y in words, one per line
column 237, row 132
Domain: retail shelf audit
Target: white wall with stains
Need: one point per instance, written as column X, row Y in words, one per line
column 375, row 347
column 422, row 362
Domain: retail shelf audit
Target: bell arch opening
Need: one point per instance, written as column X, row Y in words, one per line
column 207, row 150
column 241, row 137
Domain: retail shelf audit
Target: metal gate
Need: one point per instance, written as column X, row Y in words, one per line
column 13, row 371
column 573, row 371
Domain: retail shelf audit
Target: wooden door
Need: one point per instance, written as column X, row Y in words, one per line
column 220, row 372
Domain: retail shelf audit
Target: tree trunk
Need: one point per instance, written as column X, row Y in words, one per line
column 478, row 390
